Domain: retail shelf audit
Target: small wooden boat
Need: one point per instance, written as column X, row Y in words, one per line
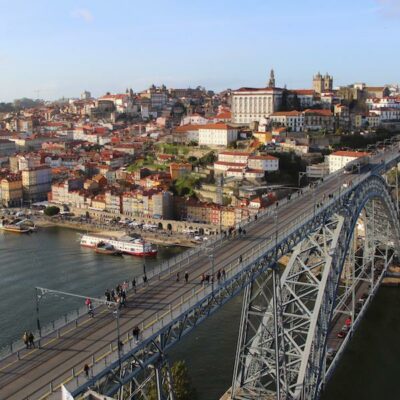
column 106, row 248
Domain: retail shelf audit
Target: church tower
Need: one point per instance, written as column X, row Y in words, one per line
column 271, row 82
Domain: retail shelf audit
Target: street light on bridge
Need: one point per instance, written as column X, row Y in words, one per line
column 211, row 257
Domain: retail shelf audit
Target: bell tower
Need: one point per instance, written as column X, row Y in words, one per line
column 271, row 82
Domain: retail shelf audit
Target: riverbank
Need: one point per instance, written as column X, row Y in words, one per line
column 160, row 238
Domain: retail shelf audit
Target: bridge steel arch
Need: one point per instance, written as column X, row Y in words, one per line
column 286, row 318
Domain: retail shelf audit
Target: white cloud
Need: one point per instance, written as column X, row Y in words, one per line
column 388, row 8
column 83, row 14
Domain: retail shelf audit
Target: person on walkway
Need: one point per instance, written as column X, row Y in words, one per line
column 202, row 280
column 135, row 333
column 145, row 279
column 223, row 274
column 134, row 285
column 177, row 276
column 31, row 340
column 86, row 369
column 186, row 277
column 219, row 276
column 107, row 294
column 25, row 338
column 123, row 297
column 88, row 302
column 240, row 259
column 90, row 310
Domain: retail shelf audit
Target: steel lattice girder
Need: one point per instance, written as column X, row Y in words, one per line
column 301, row 287
column 250, row 380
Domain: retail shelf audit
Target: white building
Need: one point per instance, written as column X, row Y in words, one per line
column 306, row 97
column 217, row 135
column 194, row 119
column 339, row 159
column 233, row 156
column 385, row 102
column 252, row 104
column 387, row 114
column 290, row 119
column 263, row 163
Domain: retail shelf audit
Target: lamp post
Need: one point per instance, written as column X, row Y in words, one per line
column 116, row 315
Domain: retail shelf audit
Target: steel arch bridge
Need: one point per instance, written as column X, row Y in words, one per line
column 287, row 318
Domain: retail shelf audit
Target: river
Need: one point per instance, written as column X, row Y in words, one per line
column 52, row 258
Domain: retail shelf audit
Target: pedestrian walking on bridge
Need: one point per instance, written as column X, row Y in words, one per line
column 25, row 338
column 177, row 276
column 135, row 333
column 31, row 340
column 186, row 277
column 134, row 285
column 86, row 370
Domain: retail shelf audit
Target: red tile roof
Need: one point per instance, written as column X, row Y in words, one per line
column 345, row 153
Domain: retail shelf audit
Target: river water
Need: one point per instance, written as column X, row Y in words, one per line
column 52, row 258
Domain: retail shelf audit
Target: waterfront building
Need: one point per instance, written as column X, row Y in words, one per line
column 11, row 190
column 113, row 202
column 36, row 183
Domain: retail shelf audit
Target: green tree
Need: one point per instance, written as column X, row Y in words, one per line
column 51, row 210
column 183, row 386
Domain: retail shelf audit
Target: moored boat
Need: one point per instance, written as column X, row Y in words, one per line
column 105, row 248
column 126, row 244
column 17, row 226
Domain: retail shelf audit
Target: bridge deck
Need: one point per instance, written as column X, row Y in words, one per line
column 31, row 375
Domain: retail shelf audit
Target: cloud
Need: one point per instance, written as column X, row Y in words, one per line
column 388, row 8
column 83, row 14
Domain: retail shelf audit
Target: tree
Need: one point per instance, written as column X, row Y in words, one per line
column 183, row 386
column 51, row 210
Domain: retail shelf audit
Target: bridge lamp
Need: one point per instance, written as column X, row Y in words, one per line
column 211, row 257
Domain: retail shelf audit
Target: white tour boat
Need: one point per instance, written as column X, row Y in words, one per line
column 125, row 244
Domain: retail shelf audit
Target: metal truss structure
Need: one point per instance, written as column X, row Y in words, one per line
column 282, row 343
column 287, row 321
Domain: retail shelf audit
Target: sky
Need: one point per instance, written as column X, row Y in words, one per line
column 52, row 49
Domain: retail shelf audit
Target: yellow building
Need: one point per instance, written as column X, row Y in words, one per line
column 228, row 217
column 263, row 137
column 11, row 190
column 99, row 203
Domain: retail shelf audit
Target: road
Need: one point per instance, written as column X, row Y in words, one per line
column 30, row 376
